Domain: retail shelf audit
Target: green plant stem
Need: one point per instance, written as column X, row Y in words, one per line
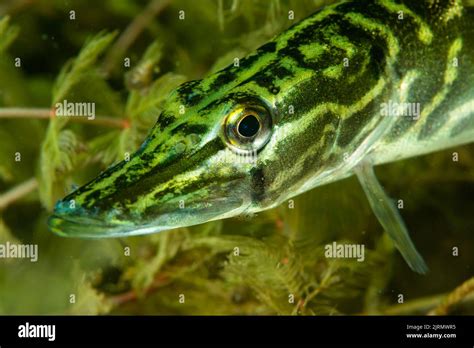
column 420, row 306
column 18, row 192
column 46, row 114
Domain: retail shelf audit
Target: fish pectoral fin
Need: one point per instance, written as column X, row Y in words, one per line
column 389, row 217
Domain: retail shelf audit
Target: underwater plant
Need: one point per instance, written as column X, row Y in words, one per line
column 82, row 95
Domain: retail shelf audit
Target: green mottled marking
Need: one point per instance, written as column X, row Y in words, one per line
column 424, row 31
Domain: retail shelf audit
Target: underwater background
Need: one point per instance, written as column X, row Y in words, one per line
column 267, row 264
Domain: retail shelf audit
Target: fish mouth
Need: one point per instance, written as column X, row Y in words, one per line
column 91, row 228
column 86, row 225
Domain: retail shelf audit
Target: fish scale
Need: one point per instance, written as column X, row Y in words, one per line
column 317, row 91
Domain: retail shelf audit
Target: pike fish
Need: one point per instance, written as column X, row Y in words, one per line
column 355, row 85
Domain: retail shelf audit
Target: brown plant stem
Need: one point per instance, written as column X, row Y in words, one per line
column 132, row 295
column 455, row 297
column 46, row 114
column 433, row 305
column 418, row 306
column 17, row 192
column 131, row 33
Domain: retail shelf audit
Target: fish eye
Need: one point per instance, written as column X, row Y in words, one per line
column 248, row 127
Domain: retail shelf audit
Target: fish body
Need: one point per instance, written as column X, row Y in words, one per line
column 357, row 83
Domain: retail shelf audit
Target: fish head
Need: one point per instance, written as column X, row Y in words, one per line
column 241, row 140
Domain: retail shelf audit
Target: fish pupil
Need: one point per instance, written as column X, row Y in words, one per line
column 249, row 126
